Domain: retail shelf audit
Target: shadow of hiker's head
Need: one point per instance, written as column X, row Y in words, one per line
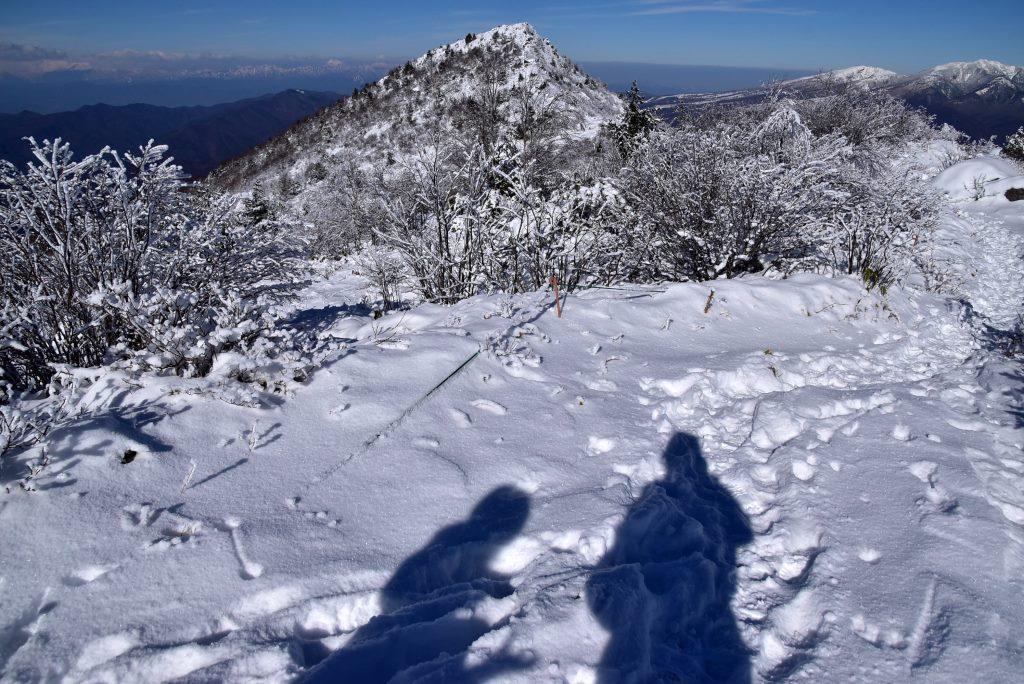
column 462, row 553
column 683, row 459
column 424, row 625
column 663, row 590
column 687, row 479
column 501, row 514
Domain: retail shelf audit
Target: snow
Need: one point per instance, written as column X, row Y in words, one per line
column 403, row 108
column 973, row 73
column 809, row 481
column 864, row 73
column 981, row 78
column 996, row 174
column 867, row 76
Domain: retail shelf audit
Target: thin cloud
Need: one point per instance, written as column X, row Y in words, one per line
column 15, row 52
column 29, row 61
column 660, row 7
column 640, row 8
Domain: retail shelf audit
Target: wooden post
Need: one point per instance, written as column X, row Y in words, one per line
column 558, row 301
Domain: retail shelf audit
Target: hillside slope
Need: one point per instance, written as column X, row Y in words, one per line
column 982, row 98
column 785, row 480
column 400, row 112
column 200, row 138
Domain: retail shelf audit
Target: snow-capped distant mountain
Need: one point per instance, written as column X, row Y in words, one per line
column 983, row 78
column 806, row 86
column 868, row 76
column 399, row 111
column 981, row 98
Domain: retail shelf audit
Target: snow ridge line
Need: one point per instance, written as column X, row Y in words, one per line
column 368, row 444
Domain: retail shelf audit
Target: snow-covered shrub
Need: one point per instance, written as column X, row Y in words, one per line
column 465, row 222
column 385, row 270
column 977, row 188
column 316, row 172
column 339, row 212
column 20, row 429
column 1014, row 146
column 23, row 426
column 212, row 286
column 479, row 115
column 67, row 228
column 865, row 117
column 110, row 258
column 880, row 223
column 820, row 184
column 531, row 233
column 424, row 209
column 728, row 200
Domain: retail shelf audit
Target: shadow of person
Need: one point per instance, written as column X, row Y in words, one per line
column 663, row 590
column 428, row 613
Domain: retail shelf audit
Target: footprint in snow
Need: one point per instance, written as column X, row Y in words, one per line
column 901, row 432
column 104, row 649
column 249, row 569
column 928, row 472
column 138, row 515
column 87, row 574
column 850, row 429
column 967, row 425
column 868, row 555
column 490, row 407
column 877, row 635
column 601, row 385
column 340, row 408
column 803, row 471
column 460, row 418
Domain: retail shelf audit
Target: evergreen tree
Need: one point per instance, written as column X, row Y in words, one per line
column 1014, row 147
column 257, row 207
column 286, row 187
column 637, row 123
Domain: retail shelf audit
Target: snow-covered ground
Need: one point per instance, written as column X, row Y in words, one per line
column 832, row 477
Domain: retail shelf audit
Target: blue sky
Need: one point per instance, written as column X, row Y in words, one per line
column 904, row 35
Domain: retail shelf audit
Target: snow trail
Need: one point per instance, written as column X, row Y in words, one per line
column 805, row 480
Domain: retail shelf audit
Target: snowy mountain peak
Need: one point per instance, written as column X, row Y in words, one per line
column 866, row 76
column 397, row 114
column 522, row 31
column 863, row 74
column 528, row 55
column 969, row 72
column 517, row 34
column 982, row 81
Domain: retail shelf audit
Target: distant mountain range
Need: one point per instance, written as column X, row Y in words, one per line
column 981, row 98
column 663, row 79
column 200, row 138
column 50, row 81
